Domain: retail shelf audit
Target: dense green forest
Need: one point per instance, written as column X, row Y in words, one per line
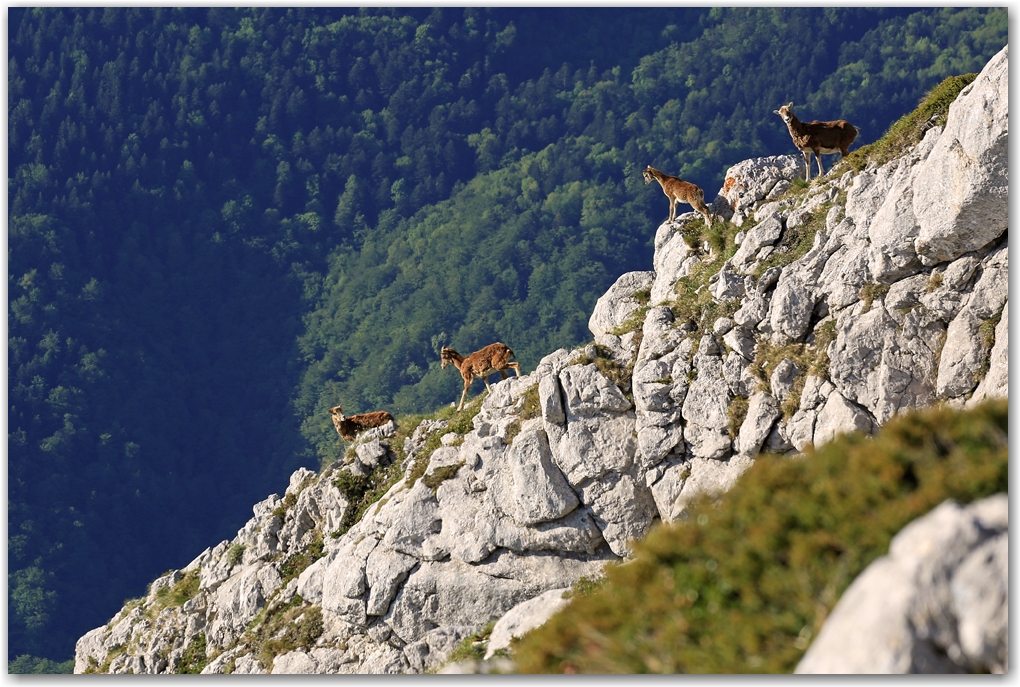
column 223, row 221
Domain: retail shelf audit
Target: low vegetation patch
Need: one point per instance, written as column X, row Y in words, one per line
column 719, row 237
column 743, row 585
column 825, row 334
column 194, row 659
column 737, row 412
column 586, row 586
column 531, row 406
column 634, row 322
column 297, row 563
column 281, row 628
column 986, row 330
column 440, row 475
column 234, row 554
column 474, row 646
column 986, row 334
column 459, row 423
column 693, row 302
column 608, row 366
column 810, row 359
column 361, row 491
column 296, row 628
column 178, row 595
column 872, row 292
column 796, row 242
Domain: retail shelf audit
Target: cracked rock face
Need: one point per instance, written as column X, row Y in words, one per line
column 962, row 191
column 901, row 302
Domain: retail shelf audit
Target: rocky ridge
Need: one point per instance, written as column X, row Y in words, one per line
column 844, row 303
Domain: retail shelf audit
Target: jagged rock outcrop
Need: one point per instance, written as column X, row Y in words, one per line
column 840, row 307
column 938, row 603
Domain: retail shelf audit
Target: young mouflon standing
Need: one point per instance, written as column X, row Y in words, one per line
column 679, row 191
column 493, row 358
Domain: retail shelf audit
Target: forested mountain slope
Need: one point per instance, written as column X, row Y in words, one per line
column 223, row 221
column 805, row 313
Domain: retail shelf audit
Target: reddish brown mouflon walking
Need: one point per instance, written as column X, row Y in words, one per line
column 818, row 137
column 679, row 191
column 350, row 427
column 493, row 358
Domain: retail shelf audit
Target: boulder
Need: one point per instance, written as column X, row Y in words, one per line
column 961, row 192
column 762, row 234
column 937, row 603
column 616, row 306
column 524, row 617
column 751, row 181
column 762, row 412
column 431, row 651
column 995, row 383
column 839, row 416
column 528, row 485
column 673, row 259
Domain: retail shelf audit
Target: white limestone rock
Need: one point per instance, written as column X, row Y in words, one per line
column 431, row 651
column 616, row 306
column 762, row 413
column 782, row 379
column 965, row 352
column 551, row 399
column 673, row 259
column 451, row 593
column 667, row 482
column 576, row 532
column 623, row 509
column 996, row 381
column 706, row 406
column 839, row 416
column 524, row 617
column 587, row 393
column 708, row 476
column 937, row 603
column 961, row 191
column 748, row 182
column 755, row 306
column 385, row 570
column 883, row 365
column 412, row 520
column 528, row 485
column 797, row 293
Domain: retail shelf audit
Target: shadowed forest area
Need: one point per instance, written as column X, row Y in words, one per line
column 223, row 222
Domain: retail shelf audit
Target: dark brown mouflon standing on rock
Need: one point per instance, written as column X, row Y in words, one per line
column 818, row 137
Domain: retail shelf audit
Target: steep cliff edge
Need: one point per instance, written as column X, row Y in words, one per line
column 816, row 310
